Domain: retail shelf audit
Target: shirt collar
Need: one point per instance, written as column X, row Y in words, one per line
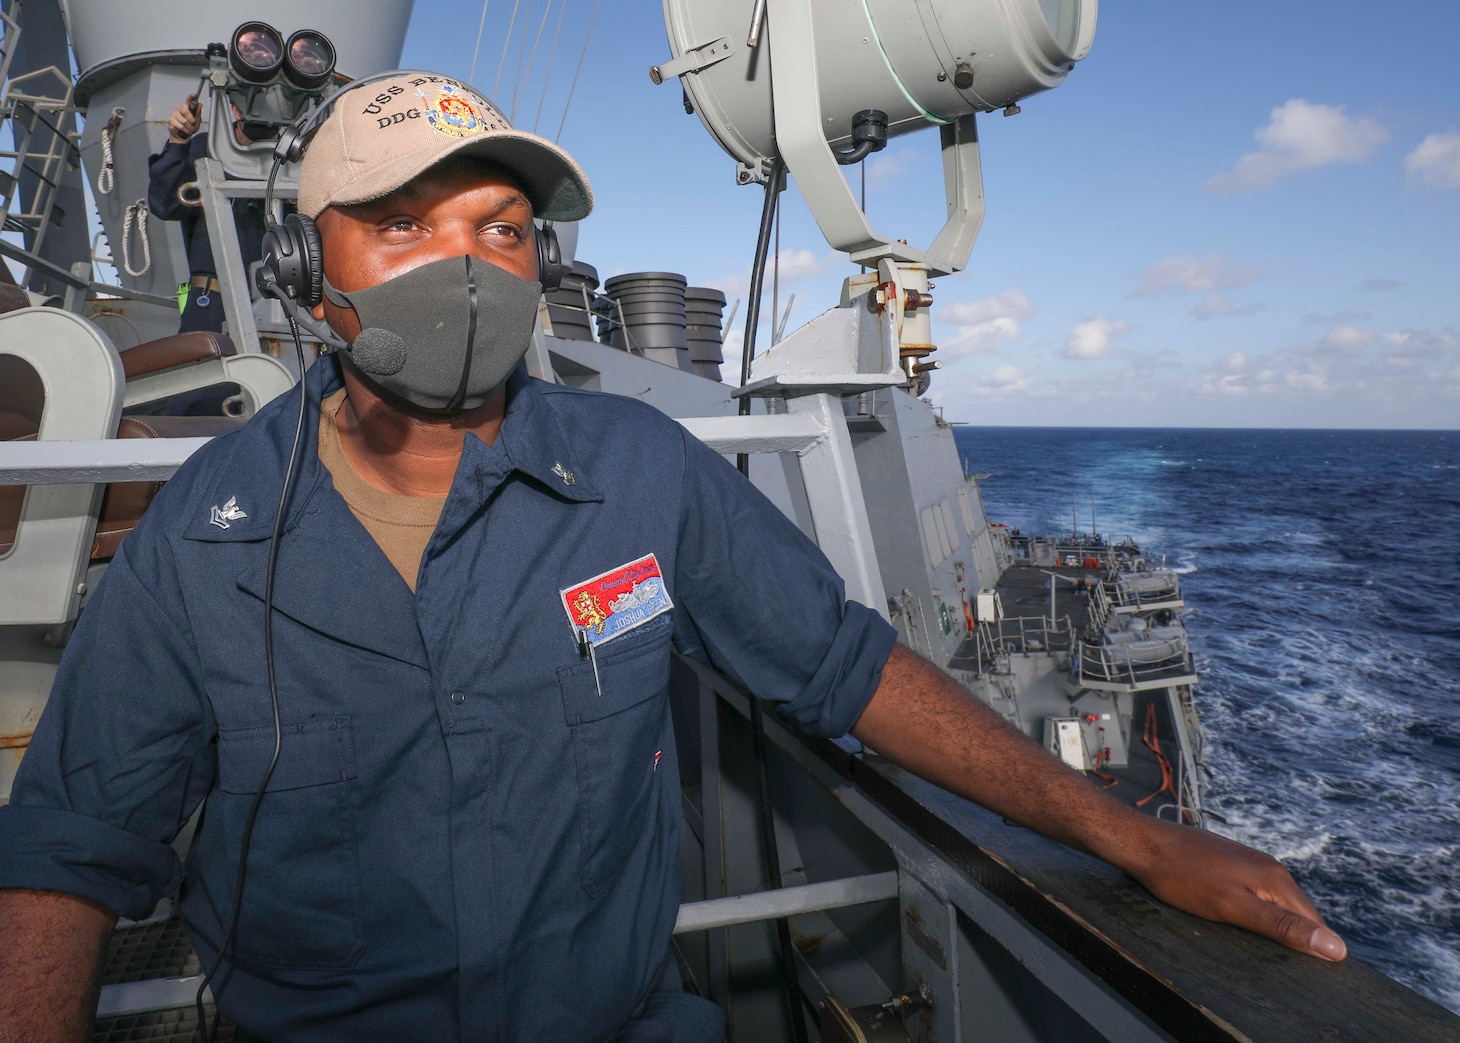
column 535, row 443
column 532, row 441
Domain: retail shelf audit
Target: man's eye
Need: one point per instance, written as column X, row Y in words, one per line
column 511, row 231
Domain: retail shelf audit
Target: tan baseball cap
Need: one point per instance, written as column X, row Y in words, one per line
column 382, row 134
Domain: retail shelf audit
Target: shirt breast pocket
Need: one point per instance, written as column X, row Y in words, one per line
column 619, row 724
column 301, row 901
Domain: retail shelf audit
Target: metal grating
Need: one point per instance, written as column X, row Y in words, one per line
column 140, row 953
column 162, row 1026
column 149, row 950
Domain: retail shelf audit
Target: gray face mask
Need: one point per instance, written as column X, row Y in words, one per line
column 445, row 335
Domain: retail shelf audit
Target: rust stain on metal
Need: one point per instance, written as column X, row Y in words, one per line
column 18, row 741
column 809, row 944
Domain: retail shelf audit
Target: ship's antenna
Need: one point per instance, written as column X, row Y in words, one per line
column 471, row 76
column 581, row 55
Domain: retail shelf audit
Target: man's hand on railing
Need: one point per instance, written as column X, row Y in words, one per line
column 922, row 719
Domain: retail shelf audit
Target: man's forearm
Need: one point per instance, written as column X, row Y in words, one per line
column 51, row 948
column 928, row 723
column 925, row 721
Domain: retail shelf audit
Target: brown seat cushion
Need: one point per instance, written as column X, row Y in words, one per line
column 177, row 350
column 124, row 503
column 12, row 298
column 14, row 427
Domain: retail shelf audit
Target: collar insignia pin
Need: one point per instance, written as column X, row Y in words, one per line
column 565, row 474
column 229, row 512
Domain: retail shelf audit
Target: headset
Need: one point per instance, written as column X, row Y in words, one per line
column 292, row 269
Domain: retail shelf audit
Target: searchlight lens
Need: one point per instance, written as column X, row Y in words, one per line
column 1063, row 17
column 309, row 61
column 256, row 52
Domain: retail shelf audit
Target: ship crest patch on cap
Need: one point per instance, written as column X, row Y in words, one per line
column 450, row 112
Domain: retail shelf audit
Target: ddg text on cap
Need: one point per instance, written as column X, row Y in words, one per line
column 381, row 135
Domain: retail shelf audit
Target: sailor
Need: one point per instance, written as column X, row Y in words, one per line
column 168, row 172
column 471, row 828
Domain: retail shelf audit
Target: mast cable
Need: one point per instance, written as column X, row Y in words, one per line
column 766, row 815
column 532, row 58
column 581, row 55
column 552, row 57
column 471, row 76
column 521, row 50
column 506, row 42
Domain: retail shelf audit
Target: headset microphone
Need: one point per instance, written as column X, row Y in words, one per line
column 379, row 352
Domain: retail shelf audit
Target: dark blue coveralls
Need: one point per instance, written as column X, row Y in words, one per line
column 469, row 835
column 169, row 170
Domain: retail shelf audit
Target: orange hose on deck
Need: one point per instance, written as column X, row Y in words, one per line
column 1152, row 739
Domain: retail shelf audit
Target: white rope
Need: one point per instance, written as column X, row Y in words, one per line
column 471, row 76
column 106, row 180
column 136, row 216
column 582, row 54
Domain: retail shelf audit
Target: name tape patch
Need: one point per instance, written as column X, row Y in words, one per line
column 615, row 602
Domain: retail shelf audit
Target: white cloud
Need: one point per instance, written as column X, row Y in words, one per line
column 982, row 324
column 1301, row 135
column 1310, row 381
column 1216, row 304
column 1227, row 384
column 1347, row 338
column 1424, row 344
column 1236, row 362
column 1187, row 274
column 796, row 265
column 1090, row 339
column 1009, row 376
column 1436, row 162
column 1335, row 318
column 800, row 264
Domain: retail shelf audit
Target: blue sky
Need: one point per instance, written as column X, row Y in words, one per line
column 1235, row 217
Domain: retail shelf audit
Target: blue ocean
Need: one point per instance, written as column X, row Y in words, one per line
column 1321, row 571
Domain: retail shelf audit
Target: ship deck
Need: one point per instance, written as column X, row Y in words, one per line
column 1024, row 594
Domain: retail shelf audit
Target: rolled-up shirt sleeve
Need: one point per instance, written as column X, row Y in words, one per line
column 763, row 605
column 121, row 756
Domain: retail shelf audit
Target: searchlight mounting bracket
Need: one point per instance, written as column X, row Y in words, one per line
column 812, row 162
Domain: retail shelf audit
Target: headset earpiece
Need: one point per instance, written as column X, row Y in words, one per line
column 549, row 258
column 294, row 260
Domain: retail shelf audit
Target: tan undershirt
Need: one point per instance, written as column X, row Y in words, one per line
column 401, row 525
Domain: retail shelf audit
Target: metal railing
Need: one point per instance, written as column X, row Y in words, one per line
column 41, row 149
column 1144, row 591
column 1153, row 663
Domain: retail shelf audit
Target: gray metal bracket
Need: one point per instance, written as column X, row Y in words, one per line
column 218, row 193
column 42, row 574
column 693, row 60
column 799, row 136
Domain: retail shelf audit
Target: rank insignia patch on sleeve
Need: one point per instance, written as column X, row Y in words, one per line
column 615, row 602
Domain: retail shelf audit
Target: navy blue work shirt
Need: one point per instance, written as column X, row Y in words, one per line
column 469, row 834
